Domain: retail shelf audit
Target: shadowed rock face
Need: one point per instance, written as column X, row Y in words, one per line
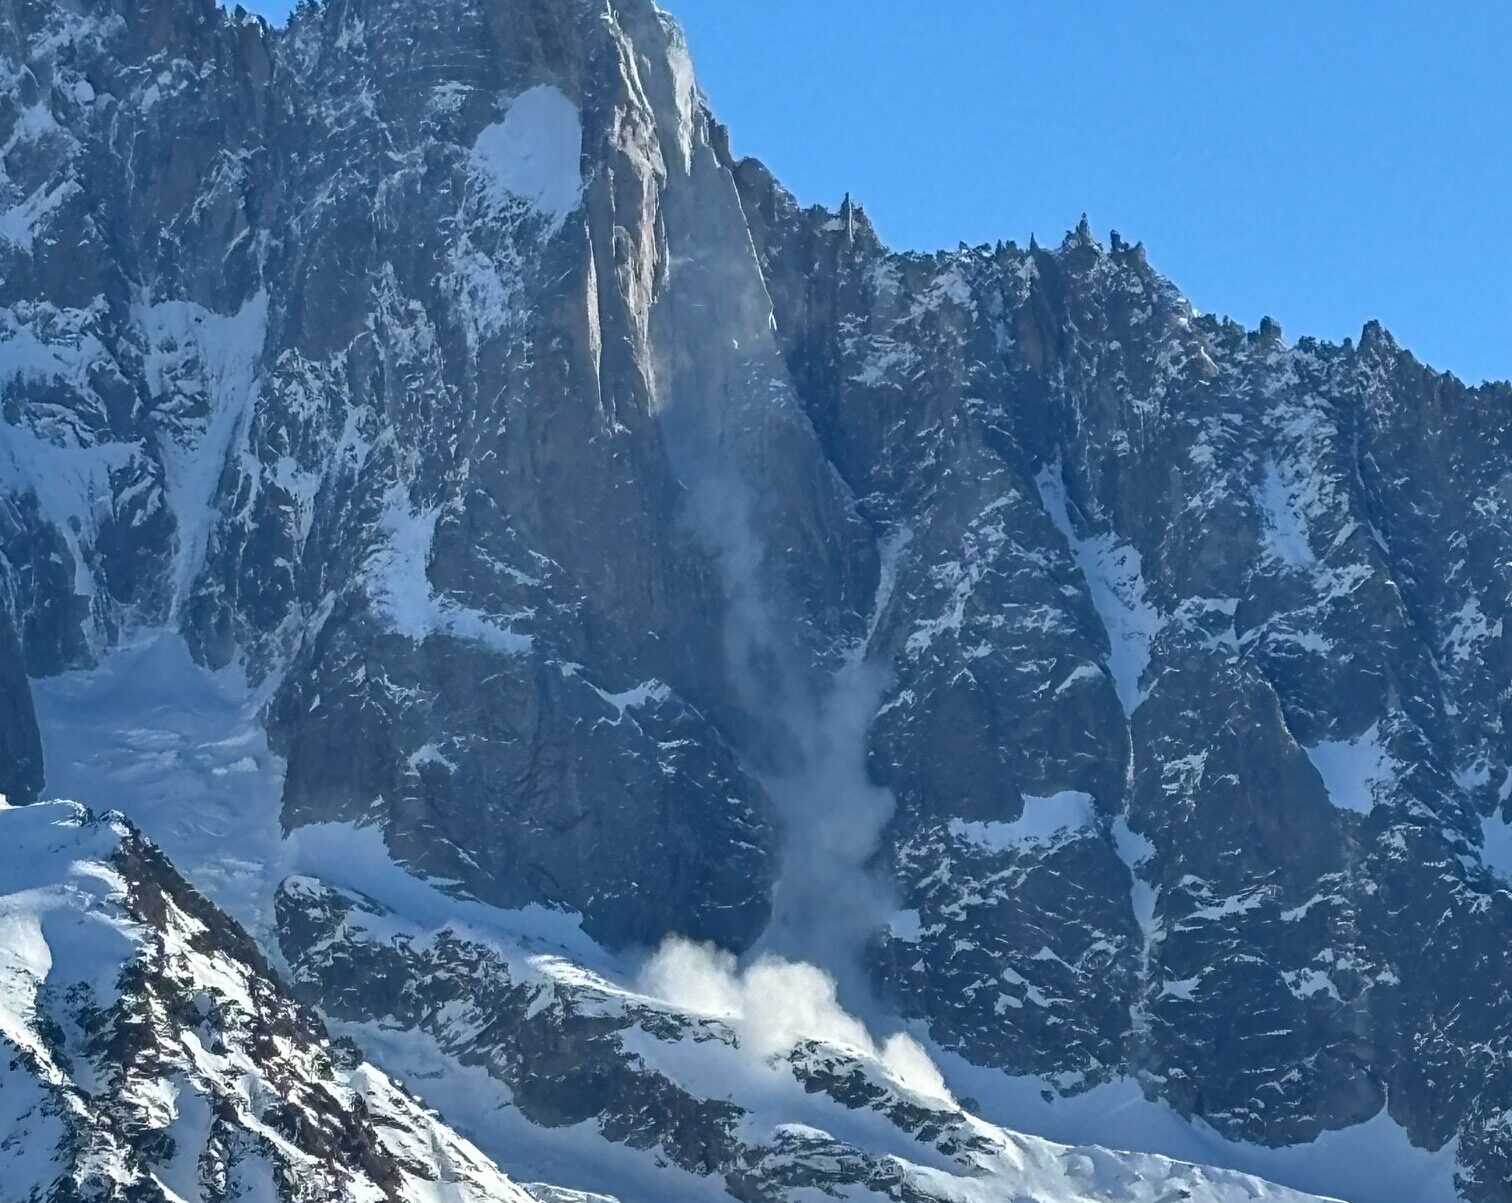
column 546, row 468
column 20, row 743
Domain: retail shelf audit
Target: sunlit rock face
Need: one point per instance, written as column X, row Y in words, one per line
column 1109, row 692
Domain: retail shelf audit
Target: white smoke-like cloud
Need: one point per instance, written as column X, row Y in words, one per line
column 774, row 1004
column 830, row 901
column 755, row 484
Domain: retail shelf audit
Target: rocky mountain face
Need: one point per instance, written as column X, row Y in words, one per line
column 484, row 532
column 1227, row 616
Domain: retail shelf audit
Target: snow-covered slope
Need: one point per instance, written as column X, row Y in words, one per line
column 149, row 1053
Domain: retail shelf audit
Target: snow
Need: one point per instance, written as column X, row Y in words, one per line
column 1470, row 632
column 398, row 580
column 486, row 290
column 1304, row 983
column 70, row 481
column 356, row 859
column 168, row 742
column 212, row 971
column 62, row 924
column 1043, row 821
column 189, row 1128
column 1496, row 846
column 906, row 926
column 464, row 1173
column 1471, row 777
column 1353, row 769
column 534, row 154
column 30, row 1132
column 647, row 693
column 25, row 961
column 1372, row 1162
column 21, row 223
column 1284, row 524
column 980, row 545
column 480, row 1107
column 1115, row 581
column 762, row 1010
column 254, row 1180
column 54, row 929
column 429, row 754
column 1002, row 1164
column 190, row 351
column 1134, row 849
column 885, row 361
column 46, row 457
column 180, row 749
column 185, row 722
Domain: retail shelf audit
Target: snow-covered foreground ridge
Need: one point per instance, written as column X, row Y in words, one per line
column 150, row 1053
column 153, row 1054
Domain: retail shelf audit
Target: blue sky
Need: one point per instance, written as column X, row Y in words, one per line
column 1322, row 163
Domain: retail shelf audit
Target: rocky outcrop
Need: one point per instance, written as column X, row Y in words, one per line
column 1160, row 587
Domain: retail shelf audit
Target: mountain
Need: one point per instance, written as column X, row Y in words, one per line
column 711, row 704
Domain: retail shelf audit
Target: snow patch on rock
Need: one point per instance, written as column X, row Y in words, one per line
column 41, row 452
column 1043, row 821
column 22, row 222
column 1134, row 850
column 1116, row 582
column 399, row 583
column 1372, row 1162
column 210, row 359
column 1496, row 846
column 1353, row 769
column 1284, row 522
column 53, row 881
column 534, row 154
